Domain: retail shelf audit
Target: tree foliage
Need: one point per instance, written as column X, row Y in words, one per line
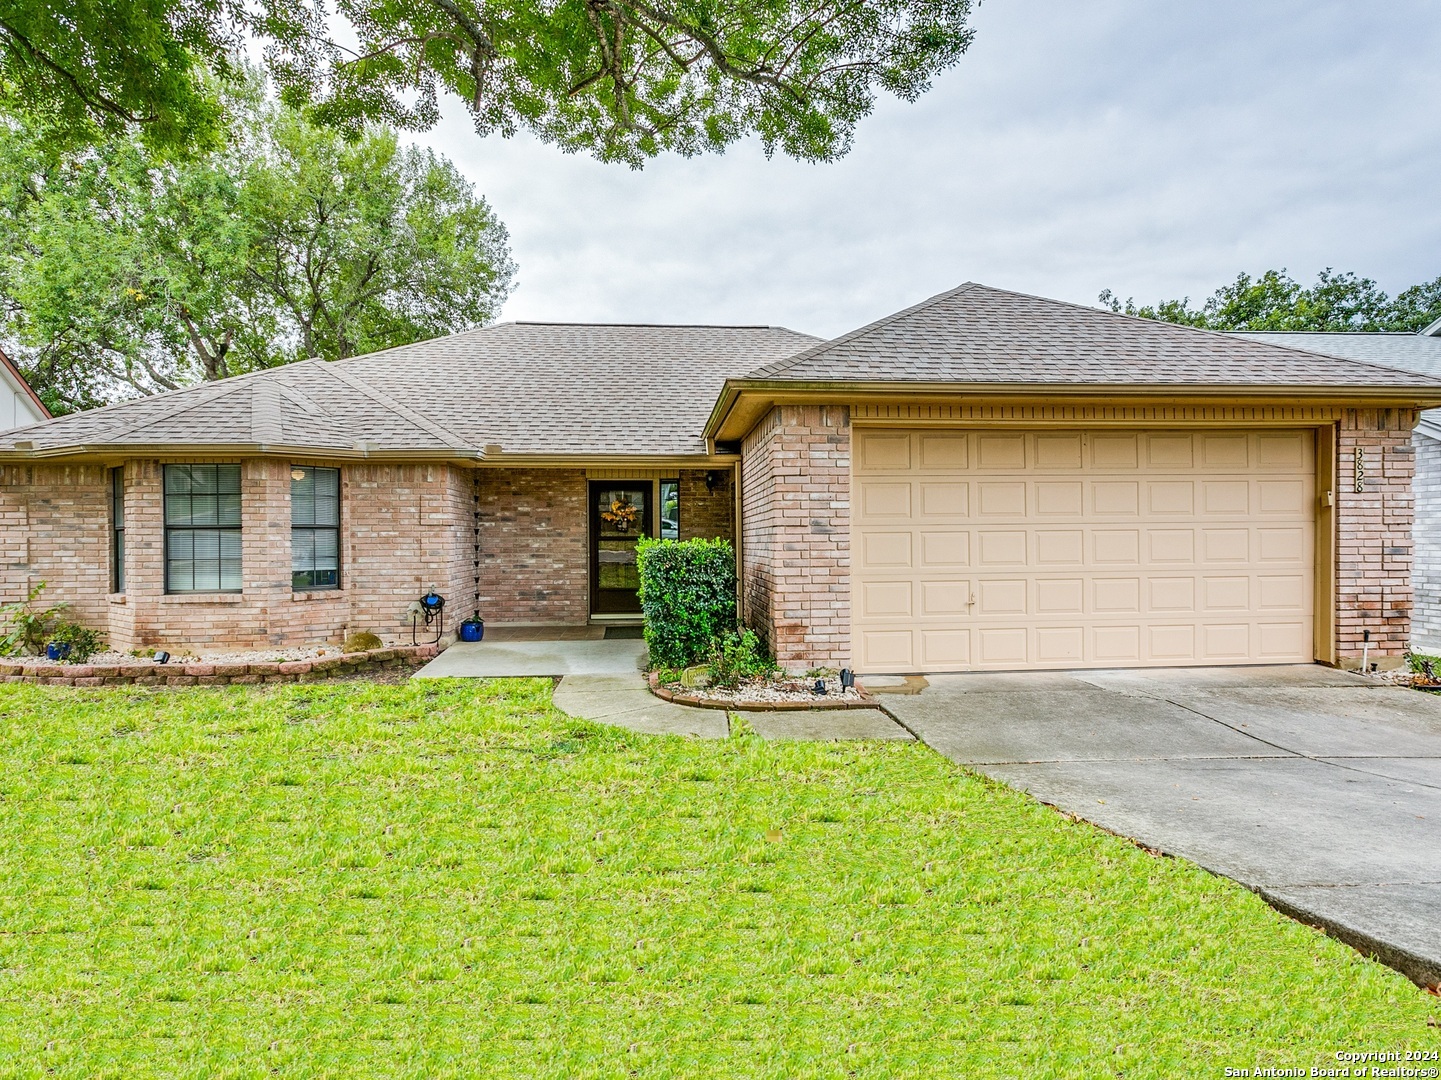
column 622, row 79
column 125, row 272
column 1275, row 301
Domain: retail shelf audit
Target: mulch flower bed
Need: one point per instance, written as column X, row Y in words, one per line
column 782, row 693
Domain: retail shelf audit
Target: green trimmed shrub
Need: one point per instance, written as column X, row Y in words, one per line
column 688, row 595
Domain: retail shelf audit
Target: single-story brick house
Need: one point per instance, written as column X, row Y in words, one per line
column 986, row 480
column 1419, row 353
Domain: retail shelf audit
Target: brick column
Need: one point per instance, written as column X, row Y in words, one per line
column 1374, row 545
column 796, row 475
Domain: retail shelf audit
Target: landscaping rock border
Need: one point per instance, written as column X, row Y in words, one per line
column 218, row 674
column 865, row 701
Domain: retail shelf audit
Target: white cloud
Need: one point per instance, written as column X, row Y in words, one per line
column 1155, row 148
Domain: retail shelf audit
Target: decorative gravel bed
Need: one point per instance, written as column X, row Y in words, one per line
column 795, row 693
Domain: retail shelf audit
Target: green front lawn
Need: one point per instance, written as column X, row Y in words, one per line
column 445, row 879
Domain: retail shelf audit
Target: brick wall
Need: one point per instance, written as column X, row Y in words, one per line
column 1373, row 526
column 534, row 546
column 404, row 529
column 705, row 514
column 55, row 528
column 795, row 543
column 1426, row 536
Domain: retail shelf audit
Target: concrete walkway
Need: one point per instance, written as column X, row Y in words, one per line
column 626, row 701
column 1320, row 790
column 518, row 659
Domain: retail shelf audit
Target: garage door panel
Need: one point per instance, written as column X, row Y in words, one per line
column 945, row 500
column 1226, row 545
column 1006, row 498
column 1171, row 497
column 885, row 500
column 1114, row 596
column 1060, row 498
column 1117, row 546
column 1171, row 545
column 941, row 550
column 1000, row 549
column 1117, row 644
column 1286, row 450
column 1060, row 596
column 1169, row 451
column 1225, row 452
column 1172, row 594
column 876, row 451
column 1287, row 497
column 1060, row 645
column 1057, row 547
column 945, row 598
column 885, row 599
column 1058, row 451
column 1000, row 452
column 944, row 452
column 1116, row 497
column 1002, row 647
column 1174, row 644
column 886, row 650
column 941, row 649
column 1002, row 597
column 1114, row 451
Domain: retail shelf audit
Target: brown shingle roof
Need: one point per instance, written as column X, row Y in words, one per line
column 977, row 334
column 564, row 389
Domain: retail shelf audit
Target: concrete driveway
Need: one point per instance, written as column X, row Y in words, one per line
column 1320, row 790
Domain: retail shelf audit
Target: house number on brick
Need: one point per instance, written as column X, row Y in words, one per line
column 1360, row 470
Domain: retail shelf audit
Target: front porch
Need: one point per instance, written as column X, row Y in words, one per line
column 542, row 652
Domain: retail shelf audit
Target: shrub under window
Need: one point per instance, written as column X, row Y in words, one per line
column 314, row 528
column 202, row 528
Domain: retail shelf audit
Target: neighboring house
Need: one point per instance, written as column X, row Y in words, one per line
column 983, row 481
column 1419, row 353
column 20, row 406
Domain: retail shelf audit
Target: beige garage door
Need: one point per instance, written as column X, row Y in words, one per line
column 1055, row 549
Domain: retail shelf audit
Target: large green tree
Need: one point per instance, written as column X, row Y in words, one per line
column 1275, row 301
column 623, row 79
column 124, row 272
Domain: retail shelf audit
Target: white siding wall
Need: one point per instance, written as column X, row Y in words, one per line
column 1426, row 580
column 16, row 408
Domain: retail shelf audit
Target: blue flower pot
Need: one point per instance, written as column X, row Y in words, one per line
column 472, row 630
column 57, row 650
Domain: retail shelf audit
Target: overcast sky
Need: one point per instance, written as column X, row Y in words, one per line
column 1155, row 147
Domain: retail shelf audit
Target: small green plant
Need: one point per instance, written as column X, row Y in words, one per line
column 688, row 595
column 84, row 642
column 738, row 655
column 24, row 627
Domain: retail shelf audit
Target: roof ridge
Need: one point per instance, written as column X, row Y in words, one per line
column 430, row 427
column 789, row 362
column 265, row 424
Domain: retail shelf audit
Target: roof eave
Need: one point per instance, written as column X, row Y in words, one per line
column 720, row 425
